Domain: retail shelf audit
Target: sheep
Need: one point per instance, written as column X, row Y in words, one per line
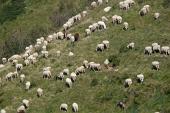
column 128, row 82
column 126, row 25
column 47, row 74
column 155, row 65
column 73, row 76
column 72, row 39
column 4, row 60
column 80, row 70
column 14, row 62
column 140, row 78
column 124, row 5
column 60, row 76
column 101, row 25
column 27, row 85
column 21, row 109
column 100, row 47
column 66, row 71
column 84, row 13
column 106, row 63
column 156, row 16
column 121, row 105
column 25, row 103
column 39, row 92
column 85, row 63
column 107, row 9
column 3, row 111
column 147, row 7
column 58, row 53
column 143, row 11
column 9, row 76
column 119, row 19
column 75, row 107
column 93, row 4
column 94, row 66
column 88, row 32
column 45, row 54
column 15, row 74
column 19, row 67
column 165, row 50
column 131, row 45
column 22, row 78
column 104, row 19
column 14, row 57
column 60, row 35
column 148, row 50
column 156, row 48
column 68, row 82
column 95, row 27
column 71, row 54
column 44, row 48
column 64, row 107
column 114, row 19
column 26, row 62
column 100, row 2
column 106, row 44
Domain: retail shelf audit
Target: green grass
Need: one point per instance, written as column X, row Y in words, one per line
column 98, row 92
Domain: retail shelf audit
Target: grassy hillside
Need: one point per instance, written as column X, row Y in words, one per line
column 98, row 92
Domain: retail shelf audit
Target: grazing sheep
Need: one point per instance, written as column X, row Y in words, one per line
column 22, row 78
column 25, row 103
column 124, row 5
column 100, row 47
column 107, row 9
column 2, row 111
column 19, row 67
column 25, row 56
column 94, row 66
column 84, row 13
column 131, row 45
column 68, row 82
column 15, row 74
column 165, row 50
column 148, row 50
column 58, row 53
column 106, row 63
column 60, row 35
column 26, row 62
column 44, row 54
column 85, row 63
column 80, row 70
column 156, row 16
column 66, row 71
column 93, row 4
column 71, row 54
column 73, row 76
column 143, row 11
column 21, row 109
column 119, row 19
column 155, row 65
column 60, row 76
column 64, row 107
column 47, row 74
column 140, row 78
column 39, row 92
column 9, row 76
column 72, row 39
column 147, row 7
column 27, row 85
column 88, row 32
column 104, row 19
column 101, row 25
column 121, row 105
column 156, row 47
column 4, row 60
column 126, row 25
column 106, row 44
column 116, row 19
column 75, row 107
column 128, row 82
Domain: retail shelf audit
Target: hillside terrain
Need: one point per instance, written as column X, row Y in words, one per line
column 94, row 91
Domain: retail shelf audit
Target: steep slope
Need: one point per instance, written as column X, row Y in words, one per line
column 99, row 92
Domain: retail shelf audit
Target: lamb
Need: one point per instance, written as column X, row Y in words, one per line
column 19, row 67
column 47, row 74
column 131, row 45
column 104, row 19
column 140, row 78
column 155, row 65
column 68, row 82
column 4, row 60
column 21, row 109
column 2, row 111
column 85, row 63
column 27, row 85
column 75, row 107
column 9, row 76
column 22, row 78
column 64, row 107
column 25, row 103
column 39, row 92
column 126, row 25
column 66, row 71
column 107, row 9
column 165, row 50
column 80, row 70
column 73, row 76
column 148, row 50
column 25, row 56
column 101, row 25
column 156, row 16
column 100, row 47
column 93, row 4
column 88, row 32
column 128, row 82
column 106, row 44
column 45, row 54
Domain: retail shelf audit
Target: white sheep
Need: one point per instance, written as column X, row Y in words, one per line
column 140, row 78
column 128, row 82
column 88, row 32
column 85, row 63
column 131, row 45
column 84, row 13
column 101, row 25
column 93, row 4
column 4, row 60
column 60, row 35
column 94, row 66
column 64, row 107
column 106, row 44
column 22, row 78
column 60, row 76
column 71, row 54
column 44, row 48
column 69, row 82
column 19, row 67
column 147, row 8
column 75, row 107
column 119, row 19
column 165, row 50
column 106, row 63
column 100, row 47
column 156, row 16
column 100, row 2
column 104, row 19
column 21, row 109
column 148, row 50
column 143, row 11
column 25, row 103
column 45, row 54
column 26, row 62
column 27, row 85
column 155, row 65
column 9, row 76
column 156, row 48
column 80, row 70
column 124, row 5
column 72, row 39
column 107, row 9
column 73, row 76
column 3, row 111
column 66, row 71
column 39, row 92
column 47, row 74
column 126, row 25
